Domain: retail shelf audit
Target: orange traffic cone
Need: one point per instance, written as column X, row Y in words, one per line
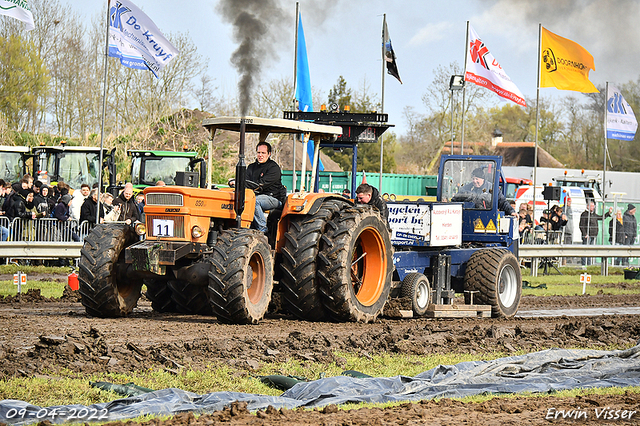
column 364, row 177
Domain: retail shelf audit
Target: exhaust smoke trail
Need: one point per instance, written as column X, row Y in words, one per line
column 258, row 29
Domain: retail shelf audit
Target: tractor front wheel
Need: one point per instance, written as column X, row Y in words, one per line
column 240, row 276
column 105, row 288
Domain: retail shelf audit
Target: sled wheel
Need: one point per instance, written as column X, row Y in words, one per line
column 104, row 286
column 355, row 265
column 240, row 276
column 299, row 254
column 416, row 287
column 495, row 275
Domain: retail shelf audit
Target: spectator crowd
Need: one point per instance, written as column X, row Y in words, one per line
column 30, row 201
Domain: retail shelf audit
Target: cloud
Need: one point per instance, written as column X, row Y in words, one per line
column 430, row 33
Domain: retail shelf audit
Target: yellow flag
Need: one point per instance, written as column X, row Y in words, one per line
column 565, row 64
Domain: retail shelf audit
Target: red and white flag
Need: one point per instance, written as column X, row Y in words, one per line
column 484, row 70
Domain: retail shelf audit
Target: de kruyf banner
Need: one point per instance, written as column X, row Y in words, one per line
column 136, row 40
column 621, row 121
column 484, row 70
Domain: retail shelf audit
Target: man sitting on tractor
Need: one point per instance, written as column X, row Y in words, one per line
column 264, row 177
column 482, row 188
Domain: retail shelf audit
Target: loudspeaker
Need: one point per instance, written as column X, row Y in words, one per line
column 552, row 193
column 187, row 179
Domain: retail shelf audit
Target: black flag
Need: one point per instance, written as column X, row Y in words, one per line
column 389, row 55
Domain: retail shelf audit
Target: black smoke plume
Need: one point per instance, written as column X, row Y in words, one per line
column 258, row 29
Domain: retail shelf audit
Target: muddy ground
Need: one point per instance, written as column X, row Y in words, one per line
column 37, row 333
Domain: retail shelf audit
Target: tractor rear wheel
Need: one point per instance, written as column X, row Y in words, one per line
column 105, row 288
column 415, row 286
column 302, row 241
column 495, row 275
column 240, row 276
column 160, row 296
column 189, row 298
column 355, row 265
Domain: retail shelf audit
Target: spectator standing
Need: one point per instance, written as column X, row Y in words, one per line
column 4, row 231
column 589, row 227
column 619, row 233
column 44, row 204
column 630, row 227
column 78, row 200
column 346, row 193
column 89, row 209
column 568, row 229
column 111, row 212
column 61, row 213
column 128, row 209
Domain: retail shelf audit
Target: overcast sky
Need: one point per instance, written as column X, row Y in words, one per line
column 344, row 38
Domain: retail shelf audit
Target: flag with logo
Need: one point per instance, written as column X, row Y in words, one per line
column 303, row 84
column 135, row 39
column 18, row 9
column 484, row 70
column 389, row 54
column 621, row 121
column 565, row 64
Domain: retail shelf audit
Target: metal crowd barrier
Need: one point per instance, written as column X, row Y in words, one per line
column 43, row 238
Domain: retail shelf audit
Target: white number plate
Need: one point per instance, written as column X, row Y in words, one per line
column 162, row 228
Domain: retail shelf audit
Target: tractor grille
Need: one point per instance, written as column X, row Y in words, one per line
column 156, row 199
column 178, row 225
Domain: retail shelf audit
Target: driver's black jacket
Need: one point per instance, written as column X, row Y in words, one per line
column 268, row 177
column 503, row 204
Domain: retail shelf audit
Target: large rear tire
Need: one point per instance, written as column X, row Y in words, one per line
column 355, row 265
column 240, row 276
column 160, row 296
column 302, row 241
column 495, row 275
column 104, row 286
column 190, row 298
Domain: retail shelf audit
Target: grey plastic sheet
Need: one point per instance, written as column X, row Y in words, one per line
column 540, row 372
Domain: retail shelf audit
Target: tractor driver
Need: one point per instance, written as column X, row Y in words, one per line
column 479, row 185
column 270, row 192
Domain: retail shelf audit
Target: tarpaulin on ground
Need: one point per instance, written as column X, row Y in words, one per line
column 545, row 371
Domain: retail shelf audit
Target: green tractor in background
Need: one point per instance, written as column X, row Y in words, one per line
column 173, row 168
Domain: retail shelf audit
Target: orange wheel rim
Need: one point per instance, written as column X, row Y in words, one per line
column 368, row 266
column 258, row 278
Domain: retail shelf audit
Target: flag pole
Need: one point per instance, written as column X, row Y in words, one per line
column 464, row 89
column 535, row 150
column 384, row 26
column 104, row 107
column 295, row 87
column 604, row 170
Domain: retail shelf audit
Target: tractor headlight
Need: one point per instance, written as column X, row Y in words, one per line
column 140, row 228
column 196, row 232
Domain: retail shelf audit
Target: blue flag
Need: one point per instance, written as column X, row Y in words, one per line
column 303, row 84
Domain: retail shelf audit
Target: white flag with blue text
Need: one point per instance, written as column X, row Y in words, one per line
column 621, row 121
column 18, row 9
column 136, row 40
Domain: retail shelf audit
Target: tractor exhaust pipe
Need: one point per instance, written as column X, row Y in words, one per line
column 241, row 176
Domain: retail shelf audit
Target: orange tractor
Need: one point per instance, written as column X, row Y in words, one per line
column 196, row 253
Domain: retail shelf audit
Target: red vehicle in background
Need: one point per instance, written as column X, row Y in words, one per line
column 511, row 188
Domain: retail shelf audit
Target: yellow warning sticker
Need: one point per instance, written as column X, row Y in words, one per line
column 491, row 227
column 478, row 226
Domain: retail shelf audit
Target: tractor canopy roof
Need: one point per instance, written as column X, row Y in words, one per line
column 265, row 126
column 23, row 149
column 153, row 153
